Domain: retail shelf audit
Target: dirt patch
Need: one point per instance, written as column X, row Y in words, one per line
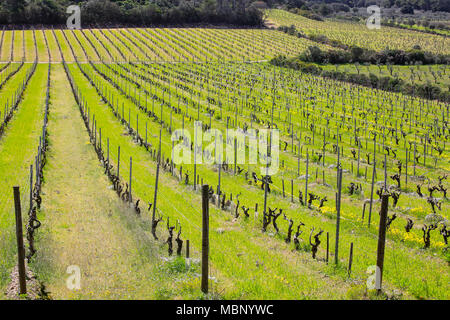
column 35, row 290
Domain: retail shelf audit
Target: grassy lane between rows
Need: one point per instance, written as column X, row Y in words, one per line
column 52, row 45
column 30, row 49
column 19, row 52
column 17, row 150
column 42, row 47
column 6, row 46
column 84, row 223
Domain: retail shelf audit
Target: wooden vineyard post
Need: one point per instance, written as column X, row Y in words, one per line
column 359, row 150
column 337, row 166
column 350, row 259
column 282, row 185
column 328, row 246
column 31, row 186
column 406, row 170
column 195, row 157
column 187, row 249
column 205, row 238
column 218, row 186
column 118, row 162
column 371, row 192
column 425, row 151
column 131, row 171
column 385, row 172
column 155, row 197
column 20, row 246
column 338, row 215
column 323, row 150
column 306, row 177
column 298, row 159
column 266, row 178
column 381, row 240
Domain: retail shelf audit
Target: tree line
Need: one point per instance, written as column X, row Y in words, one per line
column 406, row 6
column 132, row 12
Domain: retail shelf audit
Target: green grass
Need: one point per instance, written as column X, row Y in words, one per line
column 85, row 224
column 350, row 210
column 52, row 45
column 42, row 48
column 17, row 151
column 80, row 212
column 66, row 52
column 367, row 241
column 19, row 52
column 30, row 51
column 6, row 47
column 240, row 272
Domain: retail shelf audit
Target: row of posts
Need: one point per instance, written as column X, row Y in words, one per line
column 205, row 237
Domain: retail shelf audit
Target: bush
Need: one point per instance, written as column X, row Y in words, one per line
column 314, row 54
column 340, row 7
column 357, row 53
column 307, row 14
column 361, row 55
column 295, row 3
column 325, row 9
column 101, row 11
column 407, row 9
column 44, row 10
column 338, row 56
column 296, row 64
